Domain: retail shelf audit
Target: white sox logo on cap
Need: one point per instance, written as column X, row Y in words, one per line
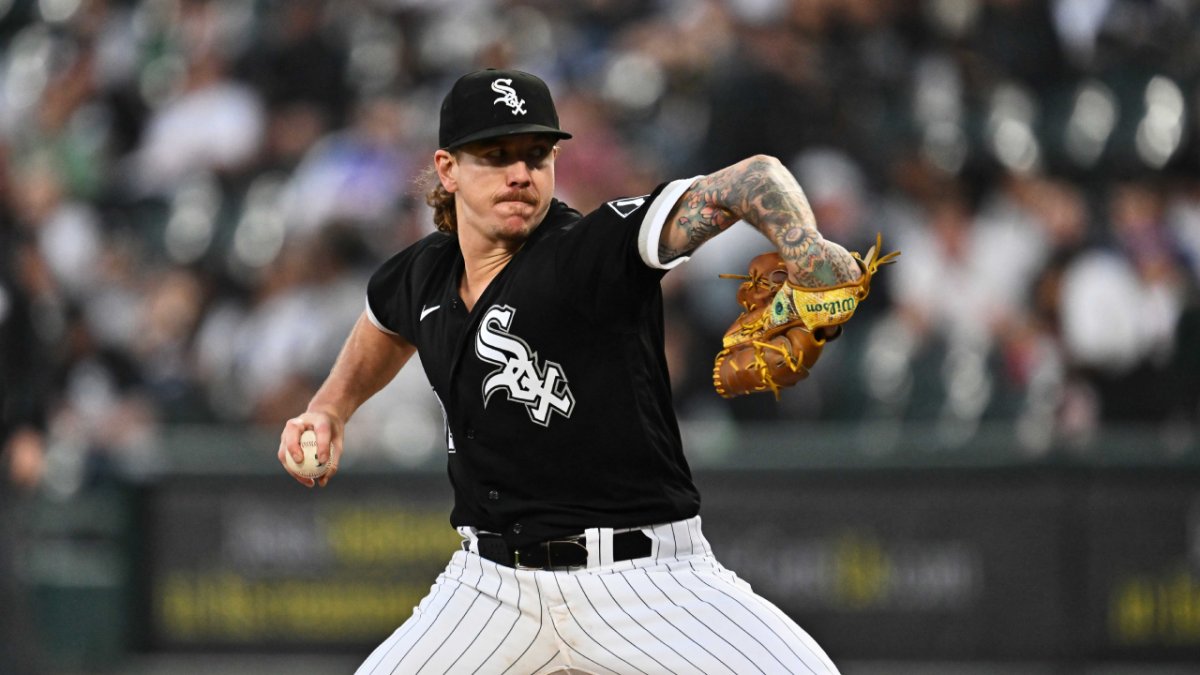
column 472, row 112
column 509, row 96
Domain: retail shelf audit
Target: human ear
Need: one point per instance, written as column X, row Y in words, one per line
column 447, row 170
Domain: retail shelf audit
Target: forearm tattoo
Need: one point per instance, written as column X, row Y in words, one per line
column 762, row 192
column 698, row 219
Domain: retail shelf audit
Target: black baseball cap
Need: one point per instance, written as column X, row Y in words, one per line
column 490, row 103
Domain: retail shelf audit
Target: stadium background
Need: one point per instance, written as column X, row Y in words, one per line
column 994, row 471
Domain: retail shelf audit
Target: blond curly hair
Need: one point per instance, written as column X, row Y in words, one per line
column 438, row 199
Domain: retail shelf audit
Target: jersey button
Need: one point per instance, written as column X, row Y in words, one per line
column 494, row 495
column 516, row 528
column 470, row 433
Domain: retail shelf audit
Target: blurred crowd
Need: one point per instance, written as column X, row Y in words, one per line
column 194, row 192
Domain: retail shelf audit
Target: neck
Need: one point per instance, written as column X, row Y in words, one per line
column 482, row 262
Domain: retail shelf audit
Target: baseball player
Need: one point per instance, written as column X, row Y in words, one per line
column 541, row 332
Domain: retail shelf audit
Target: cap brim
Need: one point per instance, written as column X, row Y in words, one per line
column 507, row 130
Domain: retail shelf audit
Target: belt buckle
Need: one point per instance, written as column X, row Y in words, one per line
column 578, row 541
column 547, row 547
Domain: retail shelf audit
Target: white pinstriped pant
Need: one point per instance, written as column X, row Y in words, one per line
column 676, row 611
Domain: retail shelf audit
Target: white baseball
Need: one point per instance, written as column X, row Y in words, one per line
column 310, row 467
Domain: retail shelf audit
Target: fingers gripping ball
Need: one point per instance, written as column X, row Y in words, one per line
column 310, row 467
column 781, row 332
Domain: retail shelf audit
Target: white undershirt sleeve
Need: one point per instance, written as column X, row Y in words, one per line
column 656, row 218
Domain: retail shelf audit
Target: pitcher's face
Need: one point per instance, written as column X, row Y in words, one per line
column 502, row 186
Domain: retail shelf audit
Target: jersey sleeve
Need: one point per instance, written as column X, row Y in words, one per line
column 390, row 293
column 610, row 258
column 621, row 236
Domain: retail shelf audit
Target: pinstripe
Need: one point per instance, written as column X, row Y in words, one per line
column 458, row 624
column 583, row 626
column 604, row 584
column 483, row 628
column 428, row 620
column 762, row 604
column 424, row 620
column 543, row 666
column 695, row 523
column 541, row 625
column 516, row 620
column 688, row 530
column 806, row 639
column 417, row 643
column 797, row 632
column 418, row 618
column 479, row 633
column 614, row 629
column 670, row 623
column 452, row 631
column 724, row 593
column 674, row 542
column 702, row 623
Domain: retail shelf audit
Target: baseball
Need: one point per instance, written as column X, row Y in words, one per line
column 310, row 467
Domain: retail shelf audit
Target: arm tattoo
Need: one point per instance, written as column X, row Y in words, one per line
column 699, row 220
column 762, row 192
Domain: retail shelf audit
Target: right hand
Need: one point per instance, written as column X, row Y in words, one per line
column 329, row 444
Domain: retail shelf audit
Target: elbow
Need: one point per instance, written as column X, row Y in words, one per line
column 764, row 162
column 767, row 167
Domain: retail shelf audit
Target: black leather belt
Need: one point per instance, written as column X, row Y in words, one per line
column 560, row 553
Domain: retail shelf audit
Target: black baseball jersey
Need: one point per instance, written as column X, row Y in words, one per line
column 555, row 389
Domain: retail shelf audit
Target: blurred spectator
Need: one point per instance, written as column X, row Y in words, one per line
column 23, row 370
column 66, row 131
column 358, row 174
column 67, row 230
column 171, row 309
column 104, row 419
column 943, row 317
column 1053, row 402
column 772, row 96
column 214, row 122
column 295, row 62
column 1183, row 219
column 292, row 130
column 24, row 359
column 1120, row 307
column 599, row 166
column 264, row 355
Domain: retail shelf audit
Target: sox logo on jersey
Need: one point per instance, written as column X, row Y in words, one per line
column 542, row 390
column 508, row 95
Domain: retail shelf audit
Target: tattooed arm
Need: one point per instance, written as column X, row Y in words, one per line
column 762, row 192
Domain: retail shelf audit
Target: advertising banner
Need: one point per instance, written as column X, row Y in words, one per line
column 263, row 564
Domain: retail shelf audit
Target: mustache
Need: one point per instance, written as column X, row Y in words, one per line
column 525, row 196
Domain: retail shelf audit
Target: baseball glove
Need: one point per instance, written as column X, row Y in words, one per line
column 783, row 327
